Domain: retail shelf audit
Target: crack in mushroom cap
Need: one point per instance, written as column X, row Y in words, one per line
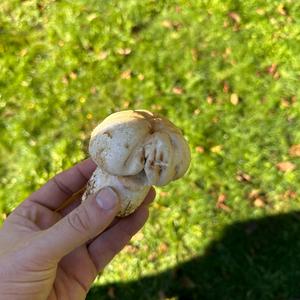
column 139, row 143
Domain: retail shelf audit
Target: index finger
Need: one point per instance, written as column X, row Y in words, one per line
column 53, row 194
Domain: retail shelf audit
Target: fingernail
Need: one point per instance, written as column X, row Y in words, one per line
column 107, row 199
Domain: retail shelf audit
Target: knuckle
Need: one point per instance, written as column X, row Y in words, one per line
column 79, row 221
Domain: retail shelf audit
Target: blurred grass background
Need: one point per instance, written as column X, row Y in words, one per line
column 226, row 72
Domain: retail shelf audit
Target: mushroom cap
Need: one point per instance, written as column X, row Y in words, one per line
column 138, row 142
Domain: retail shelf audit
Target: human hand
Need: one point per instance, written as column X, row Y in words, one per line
column 49, row 254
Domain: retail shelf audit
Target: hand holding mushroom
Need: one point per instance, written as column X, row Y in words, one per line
column 133, row 151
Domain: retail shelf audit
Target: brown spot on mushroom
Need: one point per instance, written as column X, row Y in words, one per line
column 99, row 152
column 126, row 146
column 108, row 133
column 126, row 210
column 143, row 158
column 161, row 157
column 154, row 154
column 151, row 130
column 176, row 171
column 159, row 170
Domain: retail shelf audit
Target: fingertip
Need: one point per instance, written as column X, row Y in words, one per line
column 150, row 196
column 144, row 215
column 86, row 168
column 88, row 163
column 152, row 193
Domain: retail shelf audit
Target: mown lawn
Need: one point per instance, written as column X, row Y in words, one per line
column 226, row 72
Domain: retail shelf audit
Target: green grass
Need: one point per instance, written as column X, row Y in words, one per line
column 65, row 65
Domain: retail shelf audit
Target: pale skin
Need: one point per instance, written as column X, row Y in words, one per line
column 50, row 254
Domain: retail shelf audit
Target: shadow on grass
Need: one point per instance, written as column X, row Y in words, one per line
column 257, row 259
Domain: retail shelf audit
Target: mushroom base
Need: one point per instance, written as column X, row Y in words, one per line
column 129, row 188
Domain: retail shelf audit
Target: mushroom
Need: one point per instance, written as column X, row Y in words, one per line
column 133, row 150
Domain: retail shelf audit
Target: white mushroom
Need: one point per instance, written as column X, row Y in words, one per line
column 134, row 150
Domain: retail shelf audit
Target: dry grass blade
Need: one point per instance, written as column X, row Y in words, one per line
column 71, row 199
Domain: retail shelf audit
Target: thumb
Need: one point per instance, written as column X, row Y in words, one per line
column 84, row 223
